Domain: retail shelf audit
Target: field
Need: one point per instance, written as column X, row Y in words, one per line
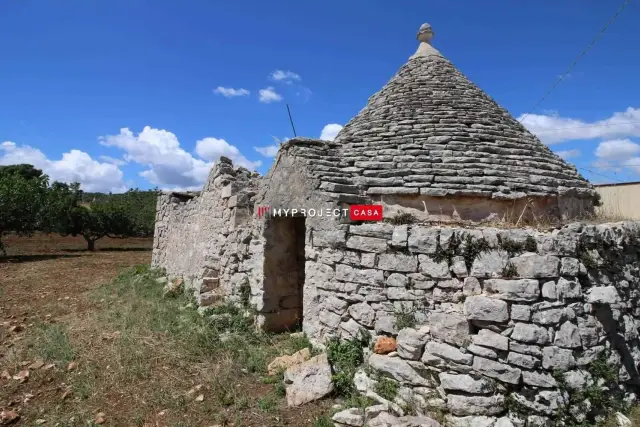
column 87, row 340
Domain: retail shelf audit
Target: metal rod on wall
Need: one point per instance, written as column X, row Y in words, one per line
column 291, row 120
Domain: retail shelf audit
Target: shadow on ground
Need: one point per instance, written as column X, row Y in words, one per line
column 111, row 249
column 33, row 258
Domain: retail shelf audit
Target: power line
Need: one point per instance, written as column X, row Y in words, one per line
column 589, row 126
column 599, row 174
column 584, row 52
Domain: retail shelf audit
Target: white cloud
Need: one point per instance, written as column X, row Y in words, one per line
column 212, row 148
column 269, row 95
column 304, row 93
column 553, row 129
column 330, row 131
column 287, row 77
column 268, row 151
column 73, row 166
column 271, row 150
column 617, row 149
column 169, row 165
column 112, row 160
column 230, row 92
column 568, row 154
column 618, row 154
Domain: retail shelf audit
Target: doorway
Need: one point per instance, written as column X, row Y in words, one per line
column 284, row 260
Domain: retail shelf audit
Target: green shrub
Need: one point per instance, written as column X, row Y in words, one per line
column 345, row 358
column 387, row 388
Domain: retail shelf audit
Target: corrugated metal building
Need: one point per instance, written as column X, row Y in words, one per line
column 621, row 200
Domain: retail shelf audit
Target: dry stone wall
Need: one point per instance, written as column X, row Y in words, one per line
column 207, row 238
column 491, row 326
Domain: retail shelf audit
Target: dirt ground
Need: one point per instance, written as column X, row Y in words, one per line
column 77, row 351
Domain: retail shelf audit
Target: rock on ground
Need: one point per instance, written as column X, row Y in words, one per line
column 283, row 362
column 308, row 381
column 173, row 288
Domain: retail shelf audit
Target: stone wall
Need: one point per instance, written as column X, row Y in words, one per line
column 206, row 238
column 483, row 324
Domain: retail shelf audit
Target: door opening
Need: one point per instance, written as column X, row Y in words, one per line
column 284, row 260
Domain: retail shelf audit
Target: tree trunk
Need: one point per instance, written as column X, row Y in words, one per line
column 91, row 243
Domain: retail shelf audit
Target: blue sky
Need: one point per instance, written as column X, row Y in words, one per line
column 118, row 94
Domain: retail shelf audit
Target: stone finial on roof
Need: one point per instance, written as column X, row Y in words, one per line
column 425, row 34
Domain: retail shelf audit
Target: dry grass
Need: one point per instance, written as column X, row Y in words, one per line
column 137, row 358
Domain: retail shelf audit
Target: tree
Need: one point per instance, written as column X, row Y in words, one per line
column 64, row 214
column 24, row 170
column 22, row 193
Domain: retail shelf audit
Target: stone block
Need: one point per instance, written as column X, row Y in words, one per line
column 397, row 280
column 603, row 295
column 539, row 379
column 400, row 236
column 569, row 289
column 520, row 313
column 489, row 263
column 423, row 240
column 209, row 284
column 329, row 238
column 475, row 405
column 486, row 309
column 536, row 266
column 465, row 383
column 471, row 287
column 500, row 371
column 459, row 267
column 519, row 290
column 308, row 381
column 448, row 352
column 569, row 266
column 568, row 336
column 398, row 262
column 363, row 314
column 449, row 327
column 470, row 421
column 411, row 343
column 482, row 351
column 523, row 360
column 368, row 260
column 487, row 338
column 549, row 290
column 229, row 190
column 432, row 269
column 398, row 369
column 530, row 333
column 367, row 244
column 347, row 273
column 557, row 358
column 552, row 316
column 379, row 230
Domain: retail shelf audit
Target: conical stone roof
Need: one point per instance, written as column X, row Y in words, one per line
column 431, row 131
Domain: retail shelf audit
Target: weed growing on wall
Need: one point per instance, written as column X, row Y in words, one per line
column 404, row 318
column 322, row 421
column 596, row 401
column 509, row 270
column 387, row 388
column 473, row 248
column 401, row 218
column 345, row 358
column 447, row 254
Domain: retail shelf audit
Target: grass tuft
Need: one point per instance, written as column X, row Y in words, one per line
column 52, row 343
